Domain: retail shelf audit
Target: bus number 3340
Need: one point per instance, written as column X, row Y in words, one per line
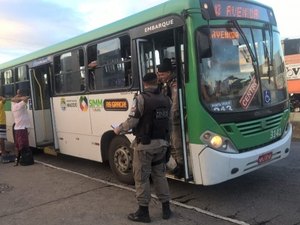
column 275, row 133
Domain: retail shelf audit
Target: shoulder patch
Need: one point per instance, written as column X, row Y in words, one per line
column 133, row 108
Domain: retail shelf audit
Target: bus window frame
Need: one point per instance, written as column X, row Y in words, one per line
column 91, row 71
column 24, row 84
column 10, row 85
column 63, row 73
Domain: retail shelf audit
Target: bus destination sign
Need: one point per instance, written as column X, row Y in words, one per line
column 116, row 104
column 240, row 10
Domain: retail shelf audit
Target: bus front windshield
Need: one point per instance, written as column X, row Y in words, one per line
column 244, row 69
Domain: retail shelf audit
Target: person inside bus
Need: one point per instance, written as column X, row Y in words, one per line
column 149, row 120
column 168, row 84
column 22, row 122
column 92, row 66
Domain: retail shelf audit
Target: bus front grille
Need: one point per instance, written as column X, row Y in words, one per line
column 257, row 126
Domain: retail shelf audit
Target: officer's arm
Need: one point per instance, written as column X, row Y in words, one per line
column 134, row 116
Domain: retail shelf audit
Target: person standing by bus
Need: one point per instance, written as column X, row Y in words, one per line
column 22, row 122
column 168, row 82
column 2, row 126
column 149, row 120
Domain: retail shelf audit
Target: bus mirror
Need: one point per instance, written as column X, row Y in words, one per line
column 204, row 44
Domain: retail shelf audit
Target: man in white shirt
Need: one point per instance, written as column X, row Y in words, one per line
column 22, row 122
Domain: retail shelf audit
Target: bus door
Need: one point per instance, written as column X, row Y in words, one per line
column 151, row 51
column 40, row 97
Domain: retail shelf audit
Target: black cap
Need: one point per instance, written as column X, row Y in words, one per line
column 149, row 77
column 165, row 66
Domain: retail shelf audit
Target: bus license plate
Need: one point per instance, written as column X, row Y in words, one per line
column 265, row 157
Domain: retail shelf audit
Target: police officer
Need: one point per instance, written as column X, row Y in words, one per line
column 168, row 86
column 149, row 120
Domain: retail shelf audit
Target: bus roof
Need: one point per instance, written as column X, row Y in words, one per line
column 169, row 7
column 166, row 8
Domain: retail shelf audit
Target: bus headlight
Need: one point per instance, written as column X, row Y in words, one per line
column 217, row 142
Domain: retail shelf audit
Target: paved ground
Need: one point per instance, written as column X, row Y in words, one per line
column 44, row 195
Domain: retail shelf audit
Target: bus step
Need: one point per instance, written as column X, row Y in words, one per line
column 50, row 150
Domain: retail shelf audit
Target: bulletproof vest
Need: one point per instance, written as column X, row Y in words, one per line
column 154, row 123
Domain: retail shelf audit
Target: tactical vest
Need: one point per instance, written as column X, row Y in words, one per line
column 154, row 123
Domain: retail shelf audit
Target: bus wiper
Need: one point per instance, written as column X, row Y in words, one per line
column 241, row 32
column 271, row 41
column 267, row 55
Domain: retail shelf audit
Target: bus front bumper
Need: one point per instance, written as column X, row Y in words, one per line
column 216, row 167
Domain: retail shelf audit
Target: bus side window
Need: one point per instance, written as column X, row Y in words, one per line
column 92, row 64
column 7, row 84
column 69, row 72
column 109, row 64
column 22, row 79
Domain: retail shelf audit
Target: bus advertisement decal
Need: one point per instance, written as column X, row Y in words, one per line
column 249, row 94
column 96, row 105
column 116, row 104
column 68, row 104
column 83, row 103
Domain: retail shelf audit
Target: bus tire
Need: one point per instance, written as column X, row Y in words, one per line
column 120, row 159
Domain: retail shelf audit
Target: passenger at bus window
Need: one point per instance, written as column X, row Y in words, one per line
column 92, row 66
column 149, row 119
column 2, row 127
column 168, row 84
column 128, row 74
column 22, row 122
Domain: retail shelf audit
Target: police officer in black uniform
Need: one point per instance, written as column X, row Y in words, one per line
column 149, row 120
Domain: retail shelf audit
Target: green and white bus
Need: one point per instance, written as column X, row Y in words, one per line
column 232, row 89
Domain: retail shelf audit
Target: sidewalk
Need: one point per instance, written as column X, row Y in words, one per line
column 43, row 195
column 295, row 120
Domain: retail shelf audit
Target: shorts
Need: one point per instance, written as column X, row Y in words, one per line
column 21, row 139
column 3, row 131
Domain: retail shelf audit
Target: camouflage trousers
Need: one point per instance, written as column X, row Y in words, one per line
column 143, row 168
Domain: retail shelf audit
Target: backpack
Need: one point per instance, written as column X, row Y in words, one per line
column 26, row 157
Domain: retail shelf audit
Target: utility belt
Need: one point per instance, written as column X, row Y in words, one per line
column 146, row 140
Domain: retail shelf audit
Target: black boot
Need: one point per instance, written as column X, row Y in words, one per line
column 141, row 215
column 166, row 210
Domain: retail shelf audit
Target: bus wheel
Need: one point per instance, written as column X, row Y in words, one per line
column 120, row 159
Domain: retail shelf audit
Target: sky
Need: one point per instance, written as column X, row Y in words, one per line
column 30, row 25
